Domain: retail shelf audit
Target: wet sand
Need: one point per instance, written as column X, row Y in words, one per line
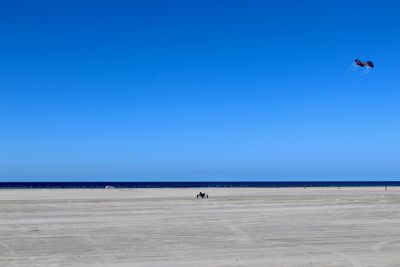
column 170, row 227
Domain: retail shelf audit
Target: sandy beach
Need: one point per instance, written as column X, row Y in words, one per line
column 290, row 227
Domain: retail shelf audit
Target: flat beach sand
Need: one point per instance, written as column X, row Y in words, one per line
column 290, row 227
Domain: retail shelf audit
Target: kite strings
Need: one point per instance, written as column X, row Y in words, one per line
column 340, row 92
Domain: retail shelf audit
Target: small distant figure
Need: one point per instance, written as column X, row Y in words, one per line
column 385, row 188
column 202, row 195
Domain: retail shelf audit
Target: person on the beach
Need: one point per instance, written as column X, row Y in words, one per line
column 202, row 195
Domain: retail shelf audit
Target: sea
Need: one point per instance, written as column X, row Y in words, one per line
column 270, row 184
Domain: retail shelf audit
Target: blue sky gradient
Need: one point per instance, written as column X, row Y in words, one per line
column 198, row 90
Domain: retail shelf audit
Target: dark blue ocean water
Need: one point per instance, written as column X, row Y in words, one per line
column 193, row 184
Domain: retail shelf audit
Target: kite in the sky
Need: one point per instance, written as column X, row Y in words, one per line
column 368, row 64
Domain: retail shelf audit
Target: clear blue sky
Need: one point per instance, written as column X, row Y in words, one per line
column 199, row 90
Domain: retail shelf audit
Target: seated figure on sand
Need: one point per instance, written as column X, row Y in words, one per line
column 202, row 195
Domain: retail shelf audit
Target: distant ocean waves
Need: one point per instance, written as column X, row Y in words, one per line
column 193, row 184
